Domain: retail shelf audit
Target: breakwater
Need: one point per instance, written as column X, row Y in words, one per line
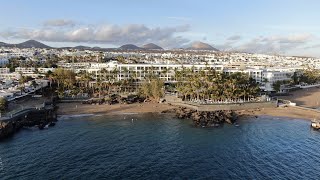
column 27, row 118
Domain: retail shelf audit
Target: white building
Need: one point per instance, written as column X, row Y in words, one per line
column 266, row 77
column 10, row 76
column 140, row 71
column 25, row 70
column 272, row 76
column 4, row 70
column 45, row 70
column 256, row 74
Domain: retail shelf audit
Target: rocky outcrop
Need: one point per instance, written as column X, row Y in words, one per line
column 207, row 118
column 169, row 111
column 29, row 118
column 6, row 129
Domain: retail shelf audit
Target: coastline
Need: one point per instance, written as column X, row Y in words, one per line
column 140, row 108
column 136, row 108
column 308, row 98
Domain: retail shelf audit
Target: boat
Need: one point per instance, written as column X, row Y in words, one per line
column 315, row 124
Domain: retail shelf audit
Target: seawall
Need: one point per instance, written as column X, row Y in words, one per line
column 26, row 118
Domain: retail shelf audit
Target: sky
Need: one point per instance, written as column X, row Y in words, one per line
column 288, row 27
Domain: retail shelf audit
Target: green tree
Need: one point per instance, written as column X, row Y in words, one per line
column 152, row 89
column 3, row 104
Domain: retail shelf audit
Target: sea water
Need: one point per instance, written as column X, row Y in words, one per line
column 159, row 146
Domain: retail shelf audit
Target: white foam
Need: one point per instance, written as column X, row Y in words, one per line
column 74, row 116
column 128, row 113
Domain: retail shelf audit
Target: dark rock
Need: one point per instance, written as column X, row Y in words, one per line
column 169, row 111
column 207, row 118
column 35, row 117
column 6, row 129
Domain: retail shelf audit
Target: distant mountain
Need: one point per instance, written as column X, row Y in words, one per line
column 201, row 46
column 27, row 44
column 32, row 44
column 129, row 47
column 152, row 46
column 3, row 44
column 81, row 47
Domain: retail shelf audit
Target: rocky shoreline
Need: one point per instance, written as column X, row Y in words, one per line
column 40, row 118
column 207, row 118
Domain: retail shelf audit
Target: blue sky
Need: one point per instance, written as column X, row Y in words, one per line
column 263, row 26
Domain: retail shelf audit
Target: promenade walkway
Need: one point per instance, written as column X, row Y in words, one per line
column 221, row 106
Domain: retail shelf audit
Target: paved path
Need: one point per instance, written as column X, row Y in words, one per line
column 10, row 116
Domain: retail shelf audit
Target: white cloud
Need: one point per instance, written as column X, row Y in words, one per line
column 293, row 38
column 270, row 44
column 315, row 46
column 59, row 22
column 167, row 37
column 234, row 38
column 67, row 31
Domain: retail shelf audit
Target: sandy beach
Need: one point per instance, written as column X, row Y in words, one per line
column 309, row 98
column 290, row 112
column 305, row 98
column 78, row 108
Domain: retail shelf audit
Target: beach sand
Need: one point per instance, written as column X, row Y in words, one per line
column 305, row 98
column 290, row 112
column 78, row 108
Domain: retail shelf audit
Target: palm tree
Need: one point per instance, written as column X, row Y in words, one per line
column 23, row 79
column 209, row 84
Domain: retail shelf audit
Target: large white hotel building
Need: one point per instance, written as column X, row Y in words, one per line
column 264, row 76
